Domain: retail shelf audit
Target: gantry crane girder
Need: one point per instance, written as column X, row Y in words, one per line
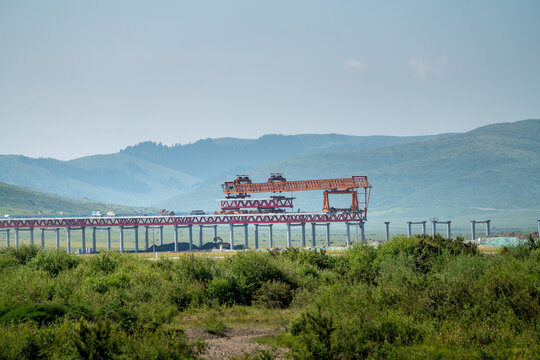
column 242, row 187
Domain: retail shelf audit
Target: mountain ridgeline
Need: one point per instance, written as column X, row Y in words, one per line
column 493, row 167
column 210, row 159
column 147, row 173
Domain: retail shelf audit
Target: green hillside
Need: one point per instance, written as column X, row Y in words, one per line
column 492, row 167
column 146, row 173
column 213, row 159
column 21, row 201
column 115, row 178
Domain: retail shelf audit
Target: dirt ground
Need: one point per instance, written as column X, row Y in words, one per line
column 232, row 343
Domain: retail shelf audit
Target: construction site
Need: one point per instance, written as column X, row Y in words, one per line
column 239, row 209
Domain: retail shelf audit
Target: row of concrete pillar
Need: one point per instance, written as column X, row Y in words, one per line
column 231, row 229
column 448, row 229
column 175, row 232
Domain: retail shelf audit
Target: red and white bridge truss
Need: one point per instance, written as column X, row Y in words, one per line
column 218, row 219
column 263, row 204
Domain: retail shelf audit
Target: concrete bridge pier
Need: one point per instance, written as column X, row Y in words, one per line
column 122, row 239
column 57, row 230
column 190, row 231
column 94, row 247
column 362, row 231
column 136, row 228
column 32, row 236
column 161, row 235
column 83, row 234
column 473, row 227
column 288, row 235
column 7, row 237
column 215, row 233
column 448, row 227
column 146, row 238
column 348, row 229
column 327, row 234
column 270, row 238
column 231, row 235
column 175, row 227
column 303, row 235
column 16, row 237
column 387, row 230
column 246, row 243
column 42, row 238
column 108, row 239
column 200, row 236
column 313, row 235
column 256, row 236
column 68, row 239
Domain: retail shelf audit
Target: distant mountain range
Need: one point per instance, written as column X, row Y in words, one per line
column 148, row 173
column 493, row 167
column 21, row 201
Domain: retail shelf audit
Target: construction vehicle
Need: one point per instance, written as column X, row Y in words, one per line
column 97, row 214
column 165, row 212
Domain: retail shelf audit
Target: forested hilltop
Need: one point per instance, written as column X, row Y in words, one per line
column 423, row 297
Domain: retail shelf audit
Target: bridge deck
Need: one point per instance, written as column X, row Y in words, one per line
column 281, row 218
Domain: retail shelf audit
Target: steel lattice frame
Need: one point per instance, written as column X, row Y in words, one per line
column 282, row 218
column 232, row 204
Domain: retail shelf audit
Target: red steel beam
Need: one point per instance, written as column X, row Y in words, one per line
column 232, row 204
column 182, row 220
column 354, row 182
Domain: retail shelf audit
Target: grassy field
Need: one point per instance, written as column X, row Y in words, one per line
column 422, row 297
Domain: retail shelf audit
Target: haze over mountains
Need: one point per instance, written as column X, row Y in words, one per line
column 492, row 167
column 148, row 173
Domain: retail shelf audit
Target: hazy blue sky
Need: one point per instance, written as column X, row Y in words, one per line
column 86, row 77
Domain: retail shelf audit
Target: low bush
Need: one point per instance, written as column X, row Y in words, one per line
column 274, row 295
column 23, row 253
column 54, row 261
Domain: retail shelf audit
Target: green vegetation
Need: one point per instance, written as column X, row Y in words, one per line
column 423, row 297
column 21, row 201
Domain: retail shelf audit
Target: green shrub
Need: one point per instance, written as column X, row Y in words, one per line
column 251, row 269
column 39, row 313
column 313, row 331
column 23, row 253
column 226, row 291
column 94, row 341
column 125, row 318
column 7, row 261
column 213, row 323
column 317, row 258
column 105, row 262
column 196, row 268
column 274, row 295
column 54, row 261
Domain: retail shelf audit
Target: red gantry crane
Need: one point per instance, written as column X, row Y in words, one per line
column 242, row 187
